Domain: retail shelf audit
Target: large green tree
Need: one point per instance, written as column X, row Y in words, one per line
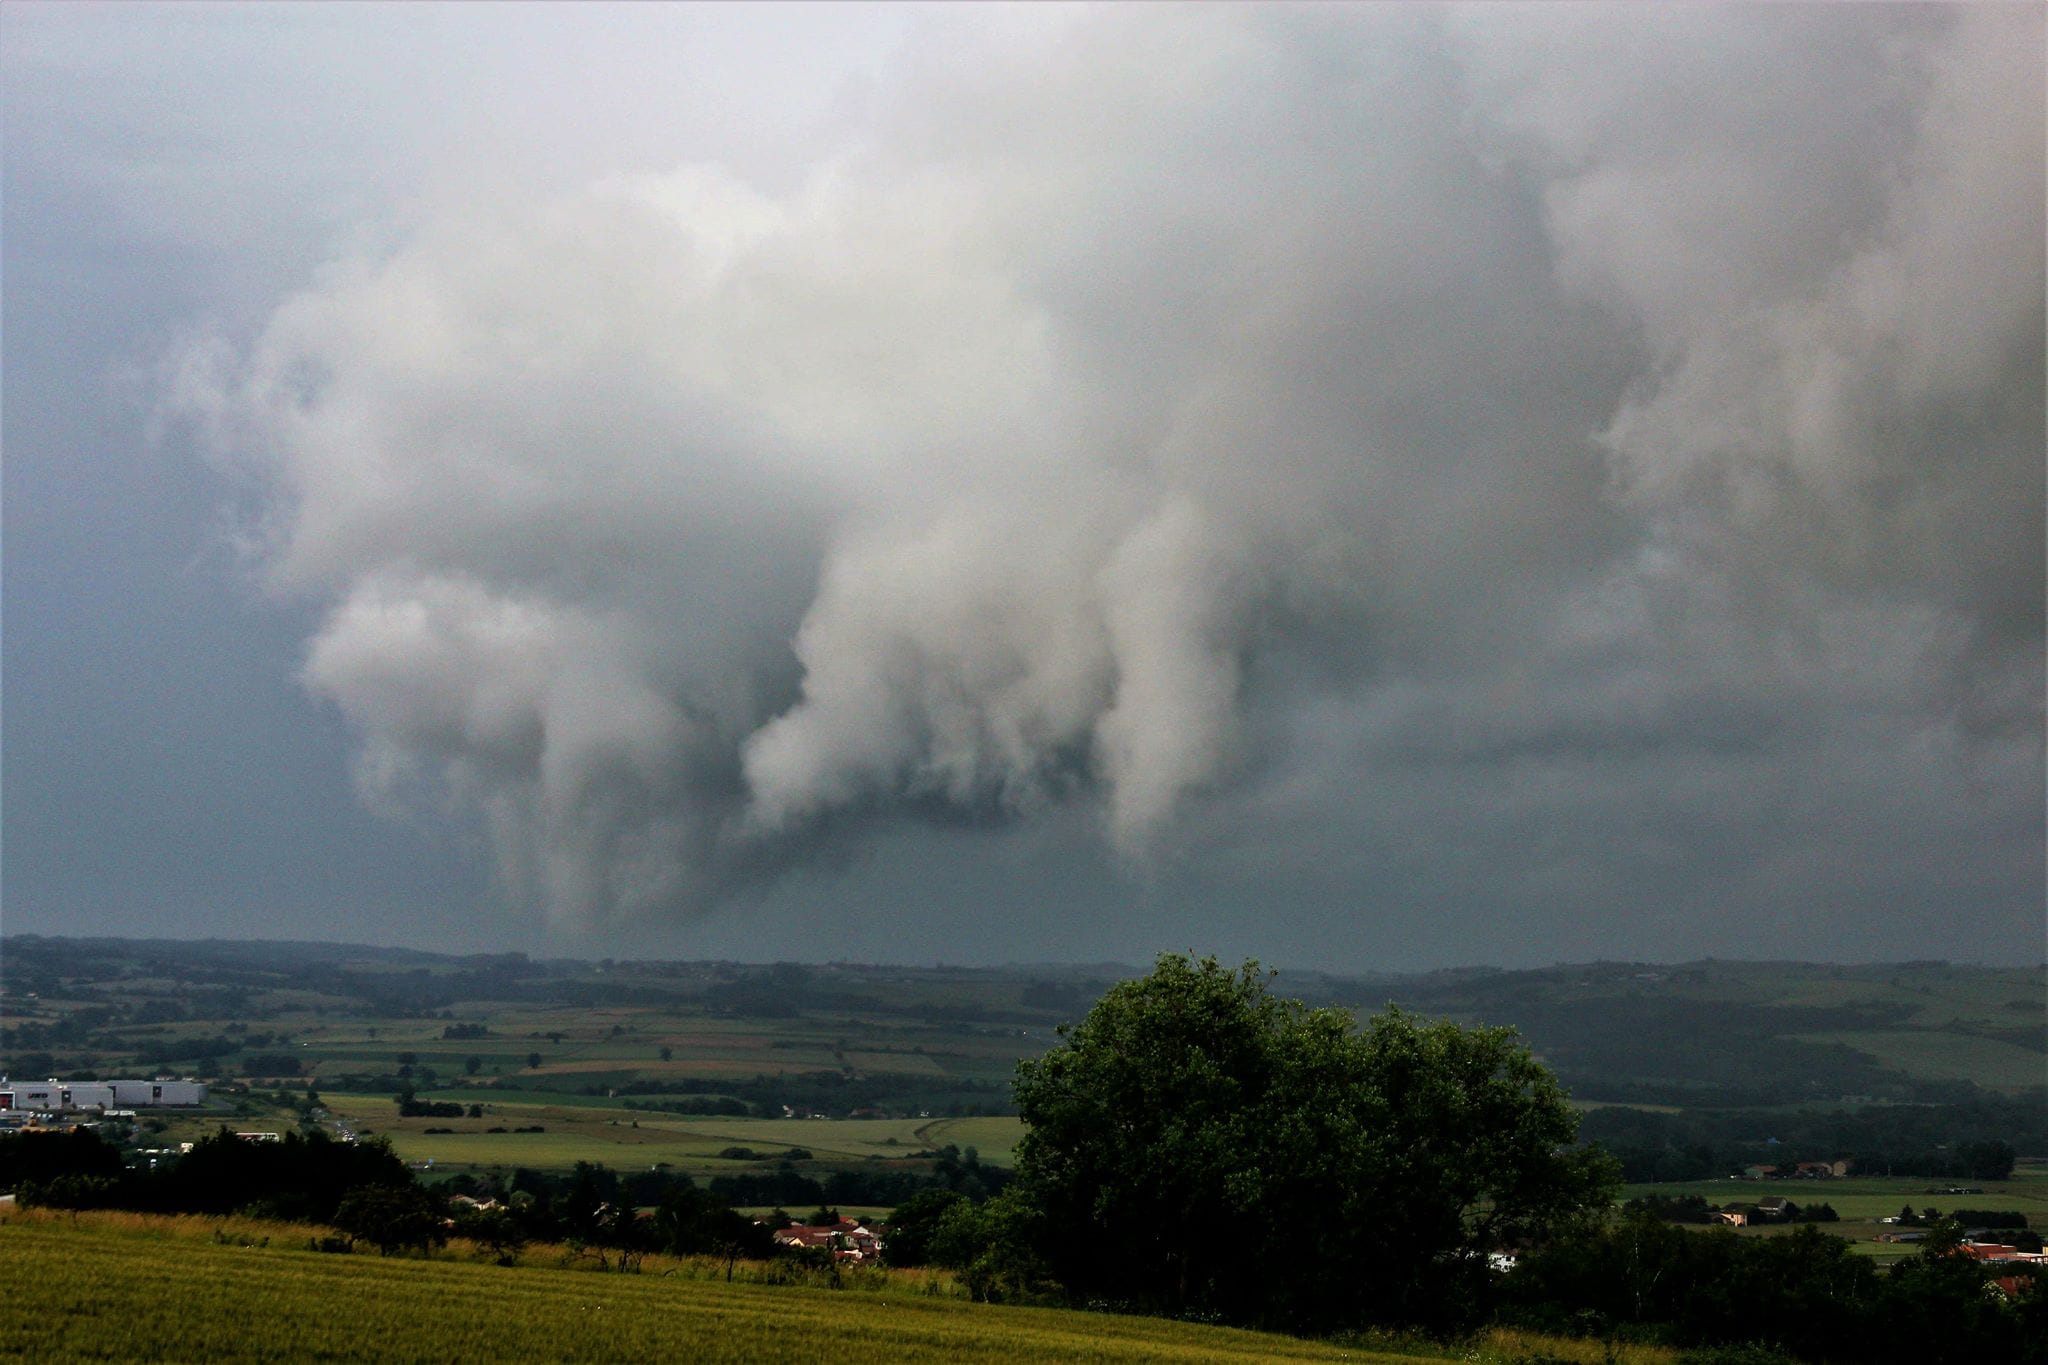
column 1197, row 1145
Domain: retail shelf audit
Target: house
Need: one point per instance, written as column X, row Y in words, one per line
column 847, row 1239
column 2002, row 1253
column 1989, row 1251
column 1760, row 1172
column 1733, row 1218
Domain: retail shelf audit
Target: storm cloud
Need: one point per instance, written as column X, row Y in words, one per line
column 1536, row 456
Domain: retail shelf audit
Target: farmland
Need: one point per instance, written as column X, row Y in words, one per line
column 620, row 1137
column 792, row 1087
column 1860, row 1201
column 842, row 1067
column 154, row 1288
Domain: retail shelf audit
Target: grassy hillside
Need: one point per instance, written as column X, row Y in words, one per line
column 123, row 1287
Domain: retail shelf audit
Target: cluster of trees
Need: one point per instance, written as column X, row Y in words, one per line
column 1199, row 1148
column 1694, row 1208
column 368, row 1194
column 411, row 1107
column 1974, row 1139
column 596, row 1209
column 301, row 1177
column 952, row 1171
column 1806, row 1295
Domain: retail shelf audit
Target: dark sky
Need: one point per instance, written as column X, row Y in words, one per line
column 1361, row 487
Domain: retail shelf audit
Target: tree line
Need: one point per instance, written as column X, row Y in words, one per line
column 1974, row 1139
column 366, row 1192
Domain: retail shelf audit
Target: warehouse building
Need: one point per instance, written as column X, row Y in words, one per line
column 55, row 1096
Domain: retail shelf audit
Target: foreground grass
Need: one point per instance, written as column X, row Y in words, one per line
column 114, row 1286
column 133, row 1289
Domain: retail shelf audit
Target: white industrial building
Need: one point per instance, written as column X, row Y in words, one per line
column 56, row 1096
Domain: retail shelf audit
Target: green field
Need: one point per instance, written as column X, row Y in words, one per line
column 588, row 1129
column 1870, row 1197
column 123, row 1287
column 1862, row 1200
column 1990, row 1062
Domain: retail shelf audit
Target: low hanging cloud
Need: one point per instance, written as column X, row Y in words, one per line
column 1170, row 416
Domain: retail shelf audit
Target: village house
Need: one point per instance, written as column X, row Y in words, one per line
column 847, row 1239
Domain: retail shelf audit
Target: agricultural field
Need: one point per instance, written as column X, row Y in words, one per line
column 1990, row 1061
column 1861, row 1201
column 1754, row 1034
column 604, row 1133
column 641, row 1064
column 197, row 1289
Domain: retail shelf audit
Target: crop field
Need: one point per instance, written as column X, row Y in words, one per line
column 1991, row 1062
column 585, row 1128
column 128, row 1288
column 1871, row 1197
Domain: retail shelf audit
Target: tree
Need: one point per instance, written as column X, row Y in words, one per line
column 472, row 1065
column 533, row 1061
column 495, row 1230
column 907, row 1240
column 689, row 1222
column 34, row 1158
column 1992, row 1160
column 392, row 1217
column 1198, row 1146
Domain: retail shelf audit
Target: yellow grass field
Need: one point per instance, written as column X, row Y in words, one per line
column 132, row 1287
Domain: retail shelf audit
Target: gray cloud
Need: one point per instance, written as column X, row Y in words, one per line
column 1599, row 447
